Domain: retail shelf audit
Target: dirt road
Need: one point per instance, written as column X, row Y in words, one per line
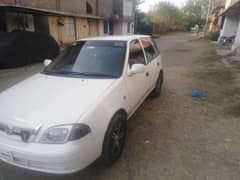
column 174, row 137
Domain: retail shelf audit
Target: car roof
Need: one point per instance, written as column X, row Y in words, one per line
column 115, row 38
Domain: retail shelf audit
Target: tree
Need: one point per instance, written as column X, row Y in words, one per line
column 196, row 8
column 144, row 25
column 166, row 14
column 195, row 12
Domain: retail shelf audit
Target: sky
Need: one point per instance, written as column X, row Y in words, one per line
column 148, row 3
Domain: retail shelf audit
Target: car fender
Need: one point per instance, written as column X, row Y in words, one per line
column 100, row 114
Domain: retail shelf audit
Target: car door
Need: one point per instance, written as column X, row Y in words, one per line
column 153, row 65
column 137, row 84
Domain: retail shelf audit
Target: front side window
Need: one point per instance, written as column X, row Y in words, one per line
column 136, row 55
column 90, row 59
column 149, row 49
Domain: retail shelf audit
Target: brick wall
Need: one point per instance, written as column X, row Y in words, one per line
column 10, row 2
column 42, row 4
column 73, row 6
column 105, row 8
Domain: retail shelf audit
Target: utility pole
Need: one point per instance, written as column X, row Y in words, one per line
column 208, row 14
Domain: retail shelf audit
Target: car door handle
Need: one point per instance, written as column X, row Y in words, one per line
column 147, row 74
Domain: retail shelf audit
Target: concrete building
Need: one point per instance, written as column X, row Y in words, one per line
column 231, row 25
column 119, row 17
column 68, row 20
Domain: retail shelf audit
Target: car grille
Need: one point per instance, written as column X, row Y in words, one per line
column 24, row 134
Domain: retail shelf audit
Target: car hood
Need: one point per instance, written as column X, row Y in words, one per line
column 50, row 100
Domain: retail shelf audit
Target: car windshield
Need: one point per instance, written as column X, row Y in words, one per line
column 90, row 59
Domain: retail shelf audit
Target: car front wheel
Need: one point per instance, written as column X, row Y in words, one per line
column 114, row 140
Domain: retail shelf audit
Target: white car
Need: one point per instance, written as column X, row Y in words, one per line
column 76, row 110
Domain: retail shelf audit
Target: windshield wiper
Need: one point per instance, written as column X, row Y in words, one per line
column 80, row 74
column 98, row 74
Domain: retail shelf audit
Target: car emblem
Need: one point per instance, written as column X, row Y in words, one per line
column 25, row 136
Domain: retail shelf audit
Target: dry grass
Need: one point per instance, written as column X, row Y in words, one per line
column 218, row 83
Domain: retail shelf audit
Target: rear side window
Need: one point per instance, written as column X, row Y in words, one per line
column 150, row 50
column 136, row 55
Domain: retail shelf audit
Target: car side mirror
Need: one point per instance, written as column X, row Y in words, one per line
column 137, row 69
column 47, row 62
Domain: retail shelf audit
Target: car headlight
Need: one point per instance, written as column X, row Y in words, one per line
column 65, row 133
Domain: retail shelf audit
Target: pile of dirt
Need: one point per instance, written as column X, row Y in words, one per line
column 22, row 48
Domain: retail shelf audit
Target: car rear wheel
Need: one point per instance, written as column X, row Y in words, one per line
column 158, row 89
column 114, row 140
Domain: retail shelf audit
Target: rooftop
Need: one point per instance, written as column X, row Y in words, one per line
column 233, row 10
column 19, row 8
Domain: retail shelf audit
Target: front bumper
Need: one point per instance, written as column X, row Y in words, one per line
column 55, row 159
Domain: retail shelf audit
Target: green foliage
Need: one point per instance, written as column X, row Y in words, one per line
column 195, row 12
column 165, row 13
column 144, row 25
column 171, row 17
column 196, row 8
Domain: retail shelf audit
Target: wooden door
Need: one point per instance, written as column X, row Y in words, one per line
column 94, row 28
column 82, row 28
column 53, row 28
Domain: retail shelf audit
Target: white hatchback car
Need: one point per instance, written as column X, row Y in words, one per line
column 75, row 111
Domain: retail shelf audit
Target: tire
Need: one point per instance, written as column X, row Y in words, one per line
column 114, row 140
column 158, row 88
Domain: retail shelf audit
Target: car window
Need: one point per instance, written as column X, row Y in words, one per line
column 136, row 55
column 155, row 46
column 91, row 58
column 149, row 49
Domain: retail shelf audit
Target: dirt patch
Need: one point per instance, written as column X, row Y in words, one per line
column 219, row 83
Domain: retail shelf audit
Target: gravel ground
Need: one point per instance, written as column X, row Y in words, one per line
column 173, row 137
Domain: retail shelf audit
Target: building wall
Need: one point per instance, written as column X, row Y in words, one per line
column 41, row 24
column 74, row 6
column 42, row 4
column 128, row 8
column 127, row 28
column 229, row 3
column 105, row 8
column 10, row 2
column 117, row 28
column 94, row 4
column 53, row 28
column 59, row 29
column 82, row 28
column 237, row 40
column 78, row 6
column 101, row 28
column 230, row 26
column 68, row 37
column 19, row 21
column 93, row 28
column 71, row 6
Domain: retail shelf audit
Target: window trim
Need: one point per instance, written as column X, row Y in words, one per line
column 154, row 47
column 129, row 51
